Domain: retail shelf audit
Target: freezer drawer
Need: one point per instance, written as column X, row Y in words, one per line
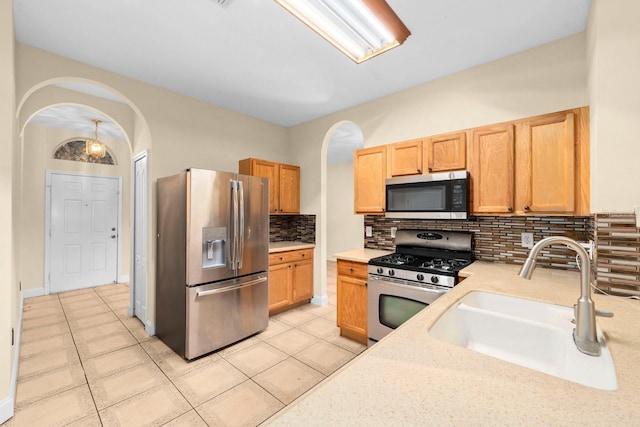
column 222, row 313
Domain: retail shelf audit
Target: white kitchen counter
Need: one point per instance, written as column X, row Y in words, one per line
column 361, row 255
column 289, row 246
column 411, row 378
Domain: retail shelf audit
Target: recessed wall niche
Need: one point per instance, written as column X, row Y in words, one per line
column 75, row 151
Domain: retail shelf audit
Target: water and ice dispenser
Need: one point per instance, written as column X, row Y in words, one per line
column 214, row 246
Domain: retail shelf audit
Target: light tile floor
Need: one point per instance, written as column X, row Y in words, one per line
column 85, row 362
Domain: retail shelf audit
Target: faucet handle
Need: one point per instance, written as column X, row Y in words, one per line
column 601, row 313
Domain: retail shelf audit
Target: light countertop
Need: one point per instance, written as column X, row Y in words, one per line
column 289, row 246
column 361, row 255
column 411, row 378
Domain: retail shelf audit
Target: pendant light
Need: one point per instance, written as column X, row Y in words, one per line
column 94, row 147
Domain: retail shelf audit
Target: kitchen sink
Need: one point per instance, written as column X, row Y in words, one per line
column 528, row 333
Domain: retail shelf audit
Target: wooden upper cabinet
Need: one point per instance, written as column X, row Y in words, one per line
column 546, row 175
column 551, row 172
column 492, row 169
column 405, row 158
column 445, row 153
column 370, row 173
column 284, row 183
column 289, row 189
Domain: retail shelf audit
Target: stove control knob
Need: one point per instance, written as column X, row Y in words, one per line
column 420, row 277
column 391, row 272
column 380, row 270
column 434, row 279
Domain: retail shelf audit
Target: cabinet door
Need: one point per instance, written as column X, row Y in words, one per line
column 370, row 172
column 352, row 307
column 302, row 280
column 492, row 169
column 445, row 152
column 549, row 166
column 289, row 191
column 269, row 170
column 405, row 158
column 280, row 286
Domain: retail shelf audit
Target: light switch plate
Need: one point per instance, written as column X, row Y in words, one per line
column 368, row 231
column 393, row 232
column 527, row 240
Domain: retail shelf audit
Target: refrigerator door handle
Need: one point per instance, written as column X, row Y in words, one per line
column 230, row 288
column 241, row 228
column 234, row 185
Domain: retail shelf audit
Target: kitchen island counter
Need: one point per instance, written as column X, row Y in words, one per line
column 411, row 378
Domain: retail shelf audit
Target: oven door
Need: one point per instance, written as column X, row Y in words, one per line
column 392, row 302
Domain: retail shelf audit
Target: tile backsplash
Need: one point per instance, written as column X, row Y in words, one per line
column 300, row 228
column 496, row 238
column 618, row 254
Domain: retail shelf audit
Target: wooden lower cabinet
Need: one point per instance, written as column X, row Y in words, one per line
column 290, row 279
column 352, row 300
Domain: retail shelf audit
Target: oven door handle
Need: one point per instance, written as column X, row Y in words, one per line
column 395, row 282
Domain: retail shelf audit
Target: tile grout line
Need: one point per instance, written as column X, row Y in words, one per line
column 84, row 372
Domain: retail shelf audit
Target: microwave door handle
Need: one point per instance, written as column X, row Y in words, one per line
column 241, row 227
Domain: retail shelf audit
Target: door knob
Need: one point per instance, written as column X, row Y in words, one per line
column 113, row 236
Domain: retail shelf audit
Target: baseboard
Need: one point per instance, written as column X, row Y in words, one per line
column 323, row 300
column 150, row 328
column 7, row 404
column 123, row 279
column 35, row 292
column 6, row 409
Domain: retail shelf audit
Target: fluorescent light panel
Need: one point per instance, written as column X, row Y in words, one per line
column 361, row 29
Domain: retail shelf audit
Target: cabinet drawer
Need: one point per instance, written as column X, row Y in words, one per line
column 290, row 256
column 352, row 268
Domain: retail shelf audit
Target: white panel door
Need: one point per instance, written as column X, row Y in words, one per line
column 83, row 231
column 140, row 239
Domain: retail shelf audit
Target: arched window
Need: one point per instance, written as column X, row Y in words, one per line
column 75, row 151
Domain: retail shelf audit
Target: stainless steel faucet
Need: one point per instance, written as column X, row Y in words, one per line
column 584, row 334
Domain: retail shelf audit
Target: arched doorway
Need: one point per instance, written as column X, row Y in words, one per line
column 340, row 228
column 123, row 115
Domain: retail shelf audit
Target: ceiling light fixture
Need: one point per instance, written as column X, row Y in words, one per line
column 94, row 147
column 361, row 29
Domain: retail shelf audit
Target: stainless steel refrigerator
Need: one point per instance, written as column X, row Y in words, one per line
column 212, row 260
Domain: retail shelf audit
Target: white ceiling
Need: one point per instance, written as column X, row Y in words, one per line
column 77, row 119
column 255, row 58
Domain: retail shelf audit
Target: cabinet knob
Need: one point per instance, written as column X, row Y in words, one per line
column 280, row 258
column 510, row 208
column 419, row 170
column 430, row 169
column 303, row 255
column 351, row 269
column 526, row 208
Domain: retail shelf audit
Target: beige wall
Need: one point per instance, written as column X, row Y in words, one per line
column 9, row 207
column 180, row 132
column 344, row 228
column 614, row 89
column 39, row 145
column 545, row 79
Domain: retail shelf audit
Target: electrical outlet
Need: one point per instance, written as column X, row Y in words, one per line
column 368, row 231
column 393, row 232
column 527, row 240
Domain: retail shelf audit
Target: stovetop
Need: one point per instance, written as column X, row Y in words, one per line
column 430, row 252
column 424, row 264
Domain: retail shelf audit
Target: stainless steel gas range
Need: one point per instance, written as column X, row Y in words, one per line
column 425, row 266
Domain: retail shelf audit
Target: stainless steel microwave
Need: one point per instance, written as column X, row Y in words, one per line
column 432, row 196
